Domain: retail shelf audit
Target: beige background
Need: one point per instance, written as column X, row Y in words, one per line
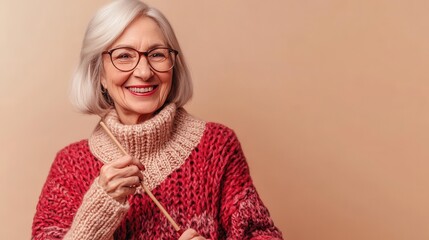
column 329, row 99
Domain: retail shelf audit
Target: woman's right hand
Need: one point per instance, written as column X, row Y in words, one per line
column 119, row 178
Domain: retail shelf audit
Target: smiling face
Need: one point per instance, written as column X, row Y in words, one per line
column 137, row 94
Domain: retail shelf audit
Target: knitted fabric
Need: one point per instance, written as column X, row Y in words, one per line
column 162, row 143
column 196, row 170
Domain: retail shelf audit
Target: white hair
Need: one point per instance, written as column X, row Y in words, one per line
column 105, row 27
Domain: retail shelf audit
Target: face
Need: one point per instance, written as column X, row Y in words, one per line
column 137, row 94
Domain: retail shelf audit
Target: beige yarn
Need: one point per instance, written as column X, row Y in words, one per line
column 97, row 217
column 161, row 144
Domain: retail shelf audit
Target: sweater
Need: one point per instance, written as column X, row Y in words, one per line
column 197, row 170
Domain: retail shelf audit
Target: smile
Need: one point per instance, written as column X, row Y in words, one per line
column 142, row 90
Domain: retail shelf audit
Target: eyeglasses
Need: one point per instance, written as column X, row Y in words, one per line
column 126, row 59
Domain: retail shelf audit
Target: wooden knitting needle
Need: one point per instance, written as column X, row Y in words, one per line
column 158, row 204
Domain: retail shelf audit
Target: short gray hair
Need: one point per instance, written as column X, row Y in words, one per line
column 104, row 28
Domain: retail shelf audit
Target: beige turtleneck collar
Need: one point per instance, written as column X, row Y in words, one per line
column 162, row 143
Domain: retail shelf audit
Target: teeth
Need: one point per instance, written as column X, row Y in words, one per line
column 141, row 90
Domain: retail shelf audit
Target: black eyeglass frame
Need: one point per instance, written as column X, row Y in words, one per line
column 146, row 54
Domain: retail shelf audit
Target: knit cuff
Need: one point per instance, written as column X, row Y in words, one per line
column 98, row 216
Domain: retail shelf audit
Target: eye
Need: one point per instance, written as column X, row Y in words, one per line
column 158, row 54
column 123, row 54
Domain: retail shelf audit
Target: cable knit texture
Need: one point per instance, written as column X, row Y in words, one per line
column 197, row 170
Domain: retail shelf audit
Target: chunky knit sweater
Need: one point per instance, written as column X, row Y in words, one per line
column 197, row 170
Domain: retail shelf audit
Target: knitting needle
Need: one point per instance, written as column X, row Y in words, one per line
column 148, row 192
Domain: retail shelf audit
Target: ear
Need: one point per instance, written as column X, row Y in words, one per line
column 103, row 81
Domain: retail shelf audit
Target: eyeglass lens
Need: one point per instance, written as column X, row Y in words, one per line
column 126, row 59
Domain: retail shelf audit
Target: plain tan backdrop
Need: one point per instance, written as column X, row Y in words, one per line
column 329, row 99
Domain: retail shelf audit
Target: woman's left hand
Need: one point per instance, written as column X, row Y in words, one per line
column 191, row 234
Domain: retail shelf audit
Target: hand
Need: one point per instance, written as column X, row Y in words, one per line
column 191, row 234
column 120, row 177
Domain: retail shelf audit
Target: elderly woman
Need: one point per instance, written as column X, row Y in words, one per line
column 132, row 73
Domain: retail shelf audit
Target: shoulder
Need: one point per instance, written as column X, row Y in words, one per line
column 219, row 127
column 76, row 155
column 219, row 130
column 217, row 135
column 211, row 133
column 79, row 148
column 209, row 127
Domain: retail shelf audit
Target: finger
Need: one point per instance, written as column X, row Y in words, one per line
column 128, row 160
column 140, row 175
column 112, row 179
column 122, row 162
column 130, row 182
column 128, row 171
column 131, row 170
column 122, row 193
column 121, row 190
column 108, row 171
column 189, row 234
column 137, row 163
column 135, row 181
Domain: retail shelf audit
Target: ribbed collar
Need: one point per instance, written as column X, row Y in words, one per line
column 161, row 143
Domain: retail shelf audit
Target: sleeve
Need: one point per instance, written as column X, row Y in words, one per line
column 72, row 205
column 243, row 214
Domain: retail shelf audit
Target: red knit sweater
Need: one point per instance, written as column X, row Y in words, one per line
column 211, row 191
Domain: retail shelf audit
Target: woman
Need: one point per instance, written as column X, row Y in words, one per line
column 132, row 73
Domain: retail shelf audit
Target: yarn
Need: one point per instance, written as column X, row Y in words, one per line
column 197, row 170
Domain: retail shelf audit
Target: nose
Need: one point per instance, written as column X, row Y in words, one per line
column 143, row 70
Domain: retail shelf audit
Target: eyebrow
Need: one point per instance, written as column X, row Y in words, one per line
column 152, row 46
